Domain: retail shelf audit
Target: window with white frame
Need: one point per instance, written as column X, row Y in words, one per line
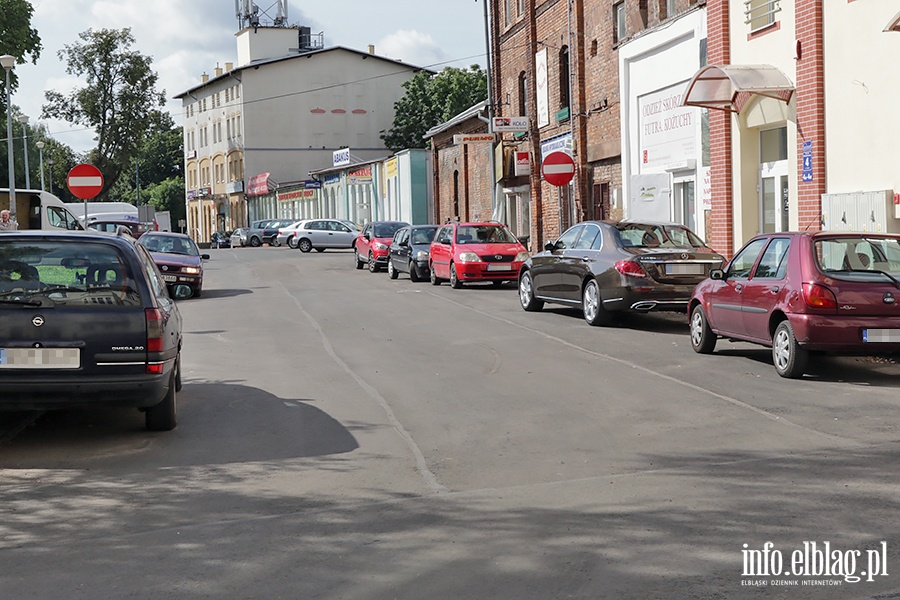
column 760, row 13
column 619, row 21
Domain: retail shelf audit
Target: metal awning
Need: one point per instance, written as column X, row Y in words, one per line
column 730, row 87
column 894, row 24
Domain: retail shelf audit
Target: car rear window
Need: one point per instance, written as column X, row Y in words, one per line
column 72, row 274
column 859, row 258
column 640, row 235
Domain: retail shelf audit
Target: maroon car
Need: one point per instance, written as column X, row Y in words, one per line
column 803, row 292
column 177, row 257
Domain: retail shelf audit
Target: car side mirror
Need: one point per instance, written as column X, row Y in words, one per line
column 717, row 274
column 446, row 242
column 204, row 256
column 404, row 243
column 550, row 246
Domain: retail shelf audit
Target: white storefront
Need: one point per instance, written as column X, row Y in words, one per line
column 663, row 158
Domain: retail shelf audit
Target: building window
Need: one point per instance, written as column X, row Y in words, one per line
column 619, row 20
column 760, row 13
column 523, row 91
column 564, row 77
column 507, row 11
column 521, row 7
column 456, row 193
column 666, row 9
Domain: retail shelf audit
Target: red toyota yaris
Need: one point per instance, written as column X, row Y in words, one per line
column 464, row 252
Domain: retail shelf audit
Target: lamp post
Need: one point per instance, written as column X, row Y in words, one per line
column 40, row 147
column 23, row 119
column 50, row 180
column 8, row 61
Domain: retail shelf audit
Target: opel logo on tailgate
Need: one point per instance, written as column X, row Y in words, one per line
column 889, row 298
column 37, row 320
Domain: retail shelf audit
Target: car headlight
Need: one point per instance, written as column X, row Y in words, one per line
column 521, row 257
column 422, row 255
column 191, row 270
column 380, row 246
column 469, row 257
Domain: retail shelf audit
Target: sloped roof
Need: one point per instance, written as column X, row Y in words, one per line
column 462, row 117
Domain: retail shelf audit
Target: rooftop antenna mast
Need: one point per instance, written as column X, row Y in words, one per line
column 248, row 13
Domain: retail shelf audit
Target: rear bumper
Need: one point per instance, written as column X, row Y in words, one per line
column 29, row 392
column 839, row 334
column 640, row 299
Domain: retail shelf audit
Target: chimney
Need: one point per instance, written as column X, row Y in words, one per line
column 229, row 66
column 218, row 71
column 204, row 77
column 371, row 48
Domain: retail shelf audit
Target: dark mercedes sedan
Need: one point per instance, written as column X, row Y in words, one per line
column 85, row 320
column 609, row 267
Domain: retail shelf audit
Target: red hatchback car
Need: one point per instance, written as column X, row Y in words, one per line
column 371, row 246
column 464, row 252
column 803, row 292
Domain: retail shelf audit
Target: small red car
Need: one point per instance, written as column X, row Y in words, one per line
column 803, row 292
column 372, row 244
column 464, row 252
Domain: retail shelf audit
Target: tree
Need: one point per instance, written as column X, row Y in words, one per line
column 433, row 99
column 119, row 100
column 160, row 157
column 169, row 195
column 17, row 36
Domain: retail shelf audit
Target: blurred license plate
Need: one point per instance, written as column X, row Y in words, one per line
column 170, row 278
column 40, row 358
column 494, row 267
column 874, row 336
column 681, row 269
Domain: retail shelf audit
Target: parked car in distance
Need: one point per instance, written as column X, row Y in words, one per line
column 86, row 321
column 321, row 234
column 466, row 252
column 136, row 228
column 238, row 237
column 178, row 257
column 285, row 234
column 409, row 251
column 220, row 239
column 371, row 245
column 609, row 267
column 804, row 292
column 266, row 231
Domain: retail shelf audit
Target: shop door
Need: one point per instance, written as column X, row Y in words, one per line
column 685, row 203
column 774, row 195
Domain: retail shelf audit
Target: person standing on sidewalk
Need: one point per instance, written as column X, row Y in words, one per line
column 7, row 224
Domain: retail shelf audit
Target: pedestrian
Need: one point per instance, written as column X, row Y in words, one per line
column 7, row 224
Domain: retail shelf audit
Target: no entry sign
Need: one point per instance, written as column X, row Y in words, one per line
column 558, row 168
column 84, row 181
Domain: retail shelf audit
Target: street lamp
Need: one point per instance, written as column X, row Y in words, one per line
column 23, row 119
column 50, row 180
column 40, row 147
column 8, row 61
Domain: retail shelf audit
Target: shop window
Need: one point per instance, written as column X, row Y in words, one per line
column 760, row 13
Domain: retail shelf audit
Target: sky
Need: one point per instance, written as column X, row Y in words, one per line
column 188, row 37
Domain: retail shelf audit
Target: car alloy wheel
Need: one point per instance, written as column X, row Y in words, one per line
column 789, row 357
column 592, row 305
column 304, row 245
column 359, row 263
column 703, row 340
column 526, row 293
column 373, row 268
column 413, row 273
column 392, row 272
column 255, row 242
column 433, row 276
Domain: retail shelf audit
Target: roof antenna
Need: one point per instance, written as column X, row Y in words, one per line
column 821, row 220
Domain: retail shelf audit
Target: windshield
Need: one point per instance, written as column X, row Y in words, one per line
column 484, row 234
column 641, row 235
column 423, row 236
column 65, row 273
column 859, row 258
column 169, row 244
column 387, row 230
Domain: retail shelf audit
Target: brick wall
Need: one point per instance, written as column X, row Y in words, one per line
column 810, row 102
column 472, row 162
column 720, row 223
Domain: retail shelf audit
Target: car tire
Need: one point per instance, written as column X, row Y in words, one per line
column 435, row 280
column 275, row 243
column 359, row 264
column 304, row 245
column 178, row 384
column 373, row 267
column 498, row 283
column 592, row 305
column 392, row 272
column 788, row 356
column 197, row 293
column 703, row 340
column 255, row 242
column 413, row 273
column 526, row 294
column 455, row 283
column 161, row 417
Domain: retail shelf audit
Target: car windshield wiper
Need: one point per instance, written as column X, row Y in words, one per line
column 886, row 274
column 21, row 301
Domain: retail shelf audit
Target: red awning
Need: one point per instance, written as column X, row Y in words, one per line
column 730, row 87
column 258, row 185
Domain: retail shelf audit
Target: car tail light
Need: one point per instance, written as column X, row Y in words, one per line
column 154, row 337
column 629, row 268
column 819, row 296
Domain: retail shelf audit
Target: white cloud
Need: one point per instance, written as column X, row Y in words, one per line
column 411, row 47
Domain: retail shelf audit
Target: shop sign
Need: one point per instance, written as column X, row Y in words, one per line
column 361, row 176
column 667, row 131
column 341, row 158
column 312, row 184
column 296, row 195
column 473, row 138
column 706, row 187
column 234, row 187
column 562, row 143
column 391, row 168
column 258, row 185
column 511, row 124
column 331, row 178
column 523, row 163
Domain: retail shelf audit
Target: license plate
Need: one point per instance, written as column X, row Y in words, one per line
column 40, row 358
column 883, row 336
column 170, row 278
column 682, row 269
column 499, row 267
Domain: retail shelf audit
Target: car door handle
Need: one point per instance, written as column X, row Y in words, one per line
column 738, row 287
column 775, row 289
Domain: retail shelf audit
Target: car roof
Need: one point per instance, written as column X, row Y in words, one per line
column 170, row 234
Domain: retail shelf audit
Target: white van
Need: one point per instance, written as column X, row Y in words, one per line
column 39, row 210
column 105, row 211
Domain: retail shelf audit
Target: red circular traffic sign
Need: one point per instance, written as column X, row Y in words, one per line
column 84, row 181
column 558, row 168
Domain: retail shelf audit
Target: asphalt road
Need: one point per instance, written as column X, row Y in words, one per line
column 342, row 435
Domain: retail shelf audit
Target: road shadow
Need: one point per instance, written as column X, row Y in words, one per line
column 653, row 322
column 222, row 293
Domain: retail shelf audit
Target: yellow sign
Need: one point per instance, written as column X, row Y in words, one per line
column 391, row 168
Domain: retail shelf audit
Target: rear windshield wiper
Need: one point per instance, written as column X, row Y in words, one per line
column 21, row 301
column 886, row 274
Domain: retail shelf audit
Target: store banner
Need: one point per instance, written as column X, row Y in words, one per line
column 258, row 185
column 542, row 90
column 361, row 176
column 668, row 131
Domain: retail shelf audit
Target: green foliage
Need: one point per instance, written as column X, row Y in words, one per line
column 17, row 37
column 119, row 99
column 169, row 195
column 431, row 100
